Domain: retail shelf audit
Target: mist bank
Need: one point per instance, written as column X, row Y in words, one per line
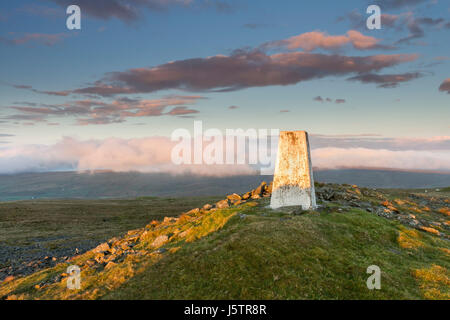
column 59, row 185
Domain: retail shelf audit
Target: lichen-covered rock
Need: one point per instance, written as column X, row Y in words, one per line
column 258, row 192
column 246, row 196
column 102, row 248
column 207, row 206
column 222, row 204
column 110, row 265
column 192, row 212
column 234, row 197
column 159, row 241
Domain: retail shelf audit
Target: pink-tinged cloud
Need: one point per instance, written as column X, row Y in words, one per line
column 30, row 88
column 153, row 154
column 39, row 38
column 386, row 80
column 181, row 111
column 445, row 86
column 376, row 141
column 99, row 112
column 310, row 41
column 332, row 158
column 241, row 70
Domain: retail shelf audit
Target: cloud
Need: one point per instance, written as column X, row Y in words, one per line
column 396, row 4
column 254, row 26
column 151, row 154
column 310, row 41
column 38, row 38
column 285, row 111
column 337, row 101
column 376, row 141
column 129, row 11
column 386, row 80
column 99, row 112
column 332, row 158
column 358, row 20
column 318, row 98
column 30, row 88
column 240, row 70
column 221, row 6
column 233, row 107
column 416, row 26
column 445, row 86
column 44, row 11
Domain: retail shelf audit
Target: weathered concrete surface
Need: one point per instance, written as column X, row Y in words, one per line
column 293, row 183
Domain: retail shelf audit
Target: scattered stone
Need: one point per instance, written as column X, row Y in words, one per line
column 102, row 248
column 258, row 192
column 193, row 212
column 109, row 265
column 246, row 196
column 185, row 233
column 207, row 206
column 234, row 198
column 100, row 258
column 159, row 241
column 9, row 278
column 90, row 263
column 222, row 204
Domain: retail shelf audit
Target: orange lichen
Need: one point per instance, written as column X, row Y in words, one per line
column 430, row 230
column 445, row 211
column 415, row 209
column 432, row 281
column 409, row 239
column 389, row 205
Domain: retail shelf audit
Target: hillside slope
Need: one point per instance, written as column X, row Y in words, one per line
column 241, row 249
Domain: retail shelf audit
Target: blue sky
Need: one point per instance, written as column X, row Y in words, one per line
column 39, row 52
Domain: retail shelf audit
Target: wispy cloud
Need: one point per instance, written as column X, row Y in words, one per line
column 337, row 101
column 34, row 38
column 445, row 86
column 130, row 11
column 100, row 112
column 396, row 4
column 386, row 80
column 310, row 41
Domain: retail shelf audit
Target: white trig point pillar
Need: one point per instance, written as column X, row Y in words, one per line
column 293, row 183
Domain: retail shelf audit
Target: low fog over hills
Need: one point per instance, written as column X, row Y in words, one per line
column 129, row 185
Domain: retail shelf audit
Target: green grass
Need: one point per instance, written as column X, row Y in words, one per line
column 253, row 252
column 69, row 221
column 312, row 256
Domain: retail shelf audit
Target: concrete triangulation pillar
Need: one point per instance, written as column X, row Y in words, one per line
column 293, row 183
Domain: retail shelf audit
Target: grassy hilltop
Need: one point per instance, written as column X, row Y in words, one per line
column 237, row 248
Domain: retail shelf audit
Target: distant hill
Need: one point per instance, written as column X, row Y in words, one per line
column 128, row 185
